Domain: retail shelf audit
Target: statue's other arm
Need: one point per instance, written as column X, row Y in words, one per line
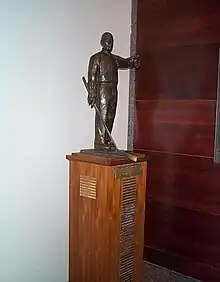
column 92, row 79
column 92, row 69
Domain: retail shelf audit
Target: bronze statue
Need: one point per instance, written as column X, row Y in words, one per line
column 102, row 89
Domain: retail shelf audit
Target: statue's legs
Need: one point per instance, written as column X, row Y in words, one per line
column 112, row 105
column 107, row 103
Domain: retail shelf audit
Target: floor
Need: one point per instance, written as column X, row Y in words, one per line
column 154, row 273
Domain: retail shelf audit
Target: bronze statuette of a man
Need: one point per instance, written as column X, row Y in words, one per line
column 102, row 84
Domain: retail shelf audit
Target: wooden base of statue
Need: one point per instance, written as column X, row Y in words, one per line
column 107, row 211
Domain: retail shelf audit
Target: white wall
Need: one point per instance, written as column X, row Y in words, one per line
column 44, row 50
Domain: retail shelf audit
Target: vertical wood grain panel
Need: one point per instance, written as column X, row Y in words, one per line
column 176, row 91
column 95, row 224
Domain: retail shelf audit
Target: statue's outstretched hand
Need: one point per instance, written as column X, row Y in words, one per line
column 136, row 61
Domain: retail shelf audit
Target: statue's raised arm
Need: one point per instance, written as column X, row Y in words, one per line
column 127, row 63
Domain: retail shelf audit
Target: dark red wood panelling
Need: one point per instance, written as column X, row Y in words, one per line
column 178, row 111
column 185, row 127
column 167, row 10
column 185, row 181
column 168, row 225
column 195, row 24
column 175, row 138
column 170, row 74
column 176, row 91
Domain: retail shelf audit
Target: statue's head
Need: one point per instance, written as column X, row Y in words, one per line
column 107, row 42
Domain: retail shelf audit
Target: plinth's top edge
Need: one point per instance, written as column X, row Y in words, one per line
column 105, row 159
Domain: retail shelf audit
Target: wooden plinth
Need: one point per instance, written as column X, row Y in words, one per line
column 107, row 211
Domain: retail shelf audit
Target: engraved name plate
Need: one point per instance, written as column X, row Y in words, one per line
column 88, row 186
column 125, row 171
